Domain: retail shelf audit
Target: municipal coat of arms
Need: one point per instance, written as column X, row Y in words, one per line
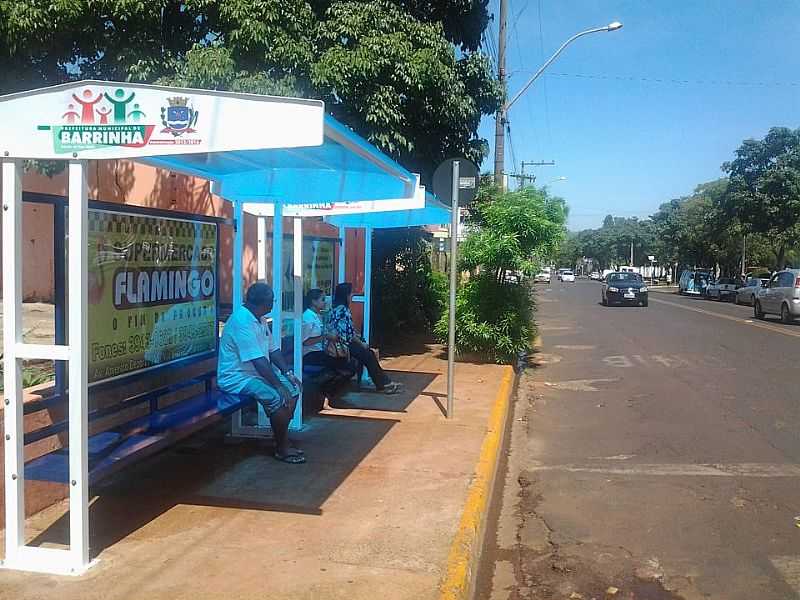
column 179, row 117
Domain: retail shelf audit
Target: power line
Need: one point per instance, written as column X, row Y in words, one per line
column 511, row 146
column 663, row 80
column 544, row 84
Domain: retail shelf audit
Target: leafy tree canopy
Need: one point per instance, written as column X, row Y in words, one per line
column 513, row 230
column 764, row 187
column 405, row 74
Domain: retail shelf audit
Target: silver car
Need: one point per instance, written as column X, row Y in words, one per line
column 748, row 292
column 781, row 296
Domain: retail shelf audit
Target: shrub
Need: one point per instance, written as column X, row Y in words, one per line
column 409, row 297
column 493, row 320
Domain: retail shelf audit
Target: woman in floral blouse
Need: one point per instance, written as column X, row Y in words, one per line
column 341, row 323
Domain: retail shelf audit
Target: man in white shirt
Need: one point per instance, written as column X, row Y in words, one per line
column 251, row 364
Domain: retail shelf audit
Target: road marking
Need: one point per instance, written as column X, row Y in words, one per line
column 554, row 328
column 621, row 362
column 575, row 347
column 670, row 361
column 578, row 385
column 615, row 457
column 789, row 568
column 762, row 470
column 759, row 324
column 543, row 358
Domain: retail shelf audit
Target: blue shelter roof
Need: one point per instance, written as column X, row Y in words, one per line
column 345, row 168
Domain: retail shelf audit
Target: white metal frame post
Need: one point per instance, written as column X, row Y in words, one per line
column 237, row 428
column 297, row 322
column 261, row 257
column 19, row 556
column 78, row 334
column 14, row 476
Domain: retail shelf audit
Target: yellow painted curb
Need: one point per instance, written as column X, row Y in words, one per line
column 458, row 578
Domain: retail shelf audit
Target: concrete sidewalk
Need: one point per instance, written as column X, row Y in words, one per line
column 373, row 514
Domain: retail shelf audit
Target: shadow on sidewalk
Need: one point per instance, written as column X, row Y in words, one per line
column 207, row 470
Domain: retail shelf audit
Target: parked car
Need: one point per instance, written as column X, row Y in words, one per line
column 542, row 277
column 594, row 276
column 568, row 276
column 694, row 282
column 723, row 289
column 624, row 288
column 781, row 296
column 752, row 284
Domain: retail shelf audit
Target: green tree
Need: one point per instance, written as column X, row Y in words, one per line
column 389, row 69
column 510, row 231
column 764, row 191
column 514, row 231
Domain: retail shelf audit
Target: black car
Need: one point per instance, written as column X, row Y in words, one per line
column 624, row 288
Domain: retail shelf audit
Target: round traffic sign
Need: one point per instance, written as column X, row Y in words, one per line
column 468, row 179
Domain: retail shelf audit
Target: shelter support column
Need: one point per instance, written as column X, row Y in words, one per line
column 340, row 276
column 367, row 281
column 261, row 259
column 238, row 250
column 297, row 280
column 78, row 365
column 277, row 288
column 14, row 475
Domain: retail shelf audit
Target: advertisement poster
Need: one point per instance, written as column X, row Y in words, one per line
column 152, row 291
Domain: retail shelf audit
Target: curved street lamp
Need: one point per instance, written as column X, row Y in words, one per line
column 610, row 27
column 499, row 145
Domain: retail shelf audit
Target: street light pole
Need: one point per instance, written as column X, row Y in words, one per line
column 500, row 121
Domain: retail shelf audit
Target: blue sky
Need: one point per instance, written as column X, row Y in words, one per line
column 625, row 142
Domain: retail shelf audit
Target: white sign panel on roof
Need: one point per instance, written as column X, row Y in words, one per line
column 108, row 120
column 267, row 209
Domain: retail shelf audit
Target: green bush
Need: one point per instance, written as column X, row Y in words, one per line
column 493, row 320
column 409, row 297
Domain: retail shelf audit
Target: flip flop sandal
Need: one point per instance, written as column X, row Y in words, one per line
column 292, row 459
column 391, row 389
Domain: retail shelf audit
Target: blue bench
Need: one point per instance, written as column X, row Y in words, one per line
column 143, row 436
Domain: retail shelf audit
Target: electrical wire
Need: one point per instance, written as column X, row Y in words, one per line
column 511, row 146
column 544, row 84
column 664, row 80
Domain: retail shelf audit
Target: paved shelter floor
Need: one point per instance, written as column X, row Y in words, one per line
column 371, row 515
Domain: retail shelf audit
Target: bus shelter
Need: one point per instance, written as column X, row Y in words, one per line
column 279, row 151
column 420, row 209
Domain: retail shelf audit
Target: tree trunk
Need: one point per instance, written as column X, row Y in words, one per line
column 781, row 256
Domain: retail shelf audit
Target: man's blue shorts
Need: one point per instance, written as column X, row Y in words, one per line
column 267, row 395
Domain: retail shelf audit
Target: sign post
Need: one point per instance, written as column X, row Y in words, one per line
column 457, row 178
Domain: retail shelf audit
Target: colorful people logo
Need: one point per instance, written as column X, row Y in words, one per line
column 120, row 104
column 87, row 106
column 70, row 116
column 136, row 115
column 104, row 115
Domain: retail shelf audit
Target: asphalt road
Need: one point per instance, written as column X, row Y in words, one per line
column 654, row 453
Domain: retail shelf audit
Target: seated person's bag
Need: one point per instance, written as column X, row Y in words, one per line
column 337, row 349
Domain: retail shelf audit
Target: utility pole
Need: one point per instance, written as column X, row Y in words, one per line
column 536, row 163
column 500, row 117
column 631, row 253
column 744, row 248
